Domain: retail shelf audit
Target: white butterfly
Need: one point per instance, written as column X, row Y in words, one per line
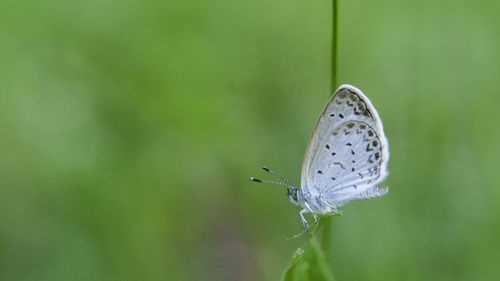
column 345, row 159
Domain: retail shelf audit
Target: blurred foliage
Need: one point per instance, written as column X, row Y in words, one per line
column 128, row 131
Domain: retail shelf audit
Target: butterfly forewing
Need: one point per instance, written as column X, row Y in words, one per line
column 348, row 151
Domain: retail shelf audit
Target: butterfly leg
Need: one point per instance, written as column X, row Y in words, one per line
column 333, row 209
column 304, row 221
column 312, row 212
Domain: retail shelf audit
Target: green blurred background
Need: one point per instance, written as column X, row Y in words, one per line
column 128, row 131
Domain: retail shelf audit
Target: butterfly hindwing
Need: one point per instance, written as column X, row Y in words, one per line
column 348, row 152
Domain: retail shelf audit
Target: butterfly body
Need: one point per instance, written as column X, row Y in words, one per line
column 315, row 204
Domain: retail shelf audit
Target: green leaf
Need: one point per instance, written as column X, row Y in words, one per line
column 308, row 264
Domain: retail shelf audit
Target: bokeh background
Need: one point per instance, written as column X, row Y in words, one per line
column 129, row 129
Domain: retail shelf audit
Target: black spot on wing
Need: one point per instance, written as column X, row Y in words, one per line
column 370, row 160
column 368, row 148
column 340, row 164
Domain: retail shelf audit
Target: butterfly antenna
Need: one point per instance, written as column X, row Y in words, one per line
column 279, row 176
column 271, row 182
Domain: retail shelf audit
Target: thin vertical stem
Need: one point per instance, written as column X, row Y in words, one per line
column 334, row 45
column 325, row 243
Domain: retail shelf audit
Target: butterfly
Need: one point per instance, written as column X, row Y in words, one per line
column 345, row 160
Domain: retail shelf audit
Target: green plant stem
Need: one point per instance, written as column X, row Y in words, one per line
column 334, row 45
column 325, row 243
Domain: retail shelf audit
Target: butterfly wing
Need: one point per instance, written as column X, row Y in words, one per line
column 348, row 152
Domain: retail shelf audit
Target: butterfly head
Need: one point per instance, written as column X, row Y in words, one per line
column 294, row 195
